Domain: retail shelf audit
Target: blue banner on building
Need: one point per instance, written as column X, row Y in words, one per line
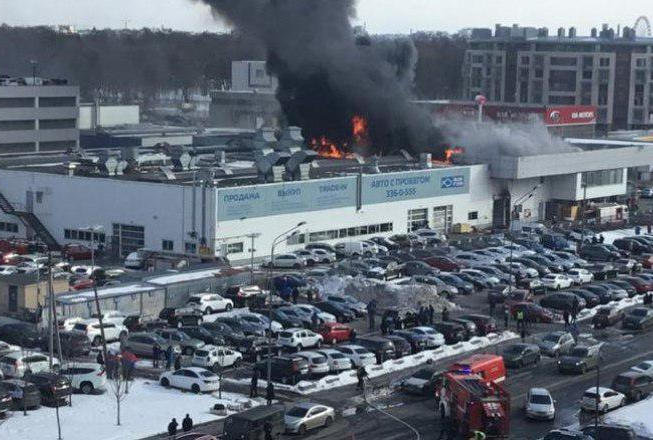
column 383, row 188
column 286, row 198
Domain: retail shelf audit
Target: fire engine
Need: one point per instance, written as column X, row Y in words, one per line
column 472, row 404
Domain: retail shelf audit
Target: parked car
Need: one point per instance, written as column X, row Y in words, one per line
column 336, row 360
column 16, row 363
column 24, row 335
column 606, row 316
column 644, row 367
column 519, row 355
column 306, row 416
column 485, row 324
column 556, row 281
column 214, row 358
column 402, row 346
column 187, row 344
column 540, row 405
column 356, row 306
column 468, row 326
column 635, row 386
column 195, row 379
column 318, row 364
column 76, row 252
column 335, row 332
column 306, row 312
column 580, row 276
column 444, row 263
column 434, row 339
column 556, row 343
column 298, row 339
column 532, row 312
column 242, row 326
column 359, row 356
column 204, row 334
column 586, row 298
column 142, row 344
column 73, row 344
column 285, row 369
column 610, row 432
column 382, row 348
column 463, row 287
column 91, row 328
column 579, row 360
column 607, row 399
column 208, row 303
column 341, row 312
column 418, row 342
column 181, row 316
column 24, row 395
column 54, row 388
column 85, row 376
column 638, row 318
column 422, row 382
column 560, row 301
column 452, row 332
column 597, row 252
column 566, row 434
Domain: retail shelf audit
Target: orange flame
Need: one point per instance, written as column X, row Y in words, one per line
column 328, row 149
column 359, row 129
column 450, row 152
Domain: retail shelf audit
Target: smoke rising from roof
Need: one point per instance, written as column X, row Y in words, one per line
column 489, row 140
column 328, row 73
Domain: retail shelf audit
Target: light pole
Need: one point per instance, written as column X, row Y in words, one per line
column 513, row 211
column 275, row 242
column 582, row 214
column 93, row 230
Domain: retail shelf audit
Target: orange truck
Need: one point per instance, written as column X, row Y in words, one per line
column 489, row 366
column 474, row 404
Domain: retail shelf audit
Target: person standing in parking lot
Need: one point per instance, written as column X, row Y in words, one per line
column 269, row 393
column 172, row 428
column 253, row 386
column 361, row 374
column 156, row 353
column 295, row 294
column 445, row 314
column 169, row 356
column 431, row 313
column 187, row 423
column 565, row 316
column 315, row 321
column 371, row 311
column 506, row 316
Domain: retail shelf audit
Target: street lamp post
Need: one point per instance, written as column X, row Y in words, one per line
column 513, row 211
column 96, row 229
column 275, row 242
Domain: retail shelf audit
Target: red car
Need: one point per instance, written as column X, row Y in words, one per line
column 76, row 252
column 532, row 312
column 642, row 286
column 84, row 283
column 647, row 261
column 444, row 263
column 334, row 332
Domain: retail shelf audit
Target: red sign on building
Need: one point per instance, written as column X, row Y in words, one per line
column 570, row 115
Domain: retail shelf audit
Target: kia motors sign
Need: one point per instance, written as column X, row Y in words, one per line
column 570, row 115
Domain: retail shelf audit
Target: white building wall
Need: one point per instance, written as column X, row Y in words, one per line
column 108, row 115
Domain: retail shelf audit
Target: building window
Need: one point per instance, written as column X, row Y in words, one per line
column 603, row 177
column 12, row 305
column 563, row 61
column 334, row 234
column 9, row 227
column 60, row 101
column 235, row 248
column 190, row 247
column 525, row 61
column 477, row 59
column 473, row 215
column 640, row 62
column 604, row 62
column 167, row 245
column 56, row 124
column 16, row 102
column 28, row 124
column 418, row 219
column 499, row 59
column 296, row 239
column 82, row 235
column 587, row 74
column 39, row 196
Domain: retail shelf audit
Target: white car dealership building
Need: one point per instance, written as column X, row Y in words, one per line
column 219, row 209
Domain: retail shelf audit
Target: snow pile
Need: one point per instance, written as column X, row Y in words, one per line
column 637, row 416
column 619, row 305
column 428, row 356
column 387, row 294
column 146, row 411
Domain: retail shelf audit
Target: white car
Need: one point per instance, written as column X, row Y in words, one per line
column 14, row 364
column 556, row 281
column 645, row 367
column 472, row 259
column 308, row 255
column 91, row 328
column 336, row 359
column 580, row 276
column 518, row 250
column 608, row 399
column 539, row 404
column 85, row 377
column 379, row 247
column 7, row 348
column 489, row 256
column 299, row 338
column 261, row 320
column 8, row 270
column 195, row 379
column 83, row 270
column 434, row 340
column 26, row 267
column 214, row 358
column 288, row 261
column 491, row 278
column 317, row 362
column 359, row 356
column 305, row 416
column 68, row 324
column 324, row 256
column 429, row 234
column 309, row 309
column 112, row 316
column 208, row 303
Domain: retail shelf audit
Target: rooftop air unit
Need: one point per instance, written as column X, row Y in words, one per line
column 264, row 138
column 291, row 137
column 299, row 164
column 270, row 165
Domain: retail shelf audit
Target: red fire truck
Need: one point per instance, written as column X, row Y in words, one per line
column 473, row 404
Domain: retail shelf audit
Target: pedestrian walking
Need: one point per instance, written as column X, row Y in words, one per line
column 601, row 238
column 566, row 317
column 253, row 386
column 492, row 307
column 315, row 320
column 523, row 333
column 295, row 295
column 172, row 428
column 371, row 312
column 99, row 358
column 520, row 319
column 187, row 423
column 431, row 313
column 648, row 228
column 352, row 335
column 129, row 360
column 384, row 326
column 169, row 355
column 506, row 316
column 177, row 362
column 445, row 314
column 156, row 353
column 269, row 393
column 361, row 374
column 638, row 230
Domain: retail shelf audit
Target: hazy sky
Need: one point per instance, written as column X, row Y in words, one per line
column 380, row 16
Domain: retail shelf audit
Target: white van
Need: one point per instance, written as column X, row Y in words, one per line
column 355, row 249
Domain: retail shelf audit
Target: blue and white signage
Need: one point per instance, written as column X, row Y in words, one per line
column 382, row 188
column 286, row 198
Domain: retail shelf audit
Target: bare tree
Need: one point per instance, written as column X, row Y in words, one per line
column 119, row 386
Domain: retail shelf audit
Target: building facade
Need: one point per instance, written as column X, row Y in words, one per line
column 527, row 66
column 38, row 117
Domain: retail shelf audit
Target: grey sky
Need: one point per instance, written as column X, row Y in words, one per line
column 380, row 16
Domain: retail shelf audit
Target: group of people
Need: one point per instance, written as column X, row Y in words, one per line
column 186, row 425
column 118, row 362
column 253, row 388
column 168, row 355
column 425, row 315
column 648, row 299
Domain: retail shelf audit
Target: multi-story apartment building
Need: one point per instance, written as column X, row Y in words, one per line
column 38, row 115
column 527, row 66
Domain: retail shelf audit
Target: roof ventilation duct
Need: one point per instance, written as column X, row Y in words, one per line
column 270, row 165
column 425, row 160
column 181, row 158
column 373, row 165
column 265, row 138
column 291, row 137
column 298, row 158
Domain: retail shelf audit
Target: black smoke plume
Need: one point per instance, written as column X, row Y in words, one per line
column 328, row 73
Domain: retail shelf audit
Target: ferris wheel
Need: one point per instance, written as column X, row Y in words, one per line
column 642, row 27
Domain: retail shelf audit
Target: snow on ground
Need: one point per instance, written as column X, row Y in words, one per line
column 619, row 305
column 146, row 411
column 349, row 377
column 611, row 236
column 637, row 416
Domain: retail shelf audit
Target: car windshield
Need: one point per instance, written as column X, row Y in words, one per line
column 201, row 353
column 207, row 374
column 318, row 360
column 286, row 335
column 423, row 374
column 361, row 351
column 643, row 366
column 579, row 352
column 541, row 399
column 639, row 312
column 297, row 412
column 552, row 338
column 590, row 395
column 515, row 349
column 337, row 355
